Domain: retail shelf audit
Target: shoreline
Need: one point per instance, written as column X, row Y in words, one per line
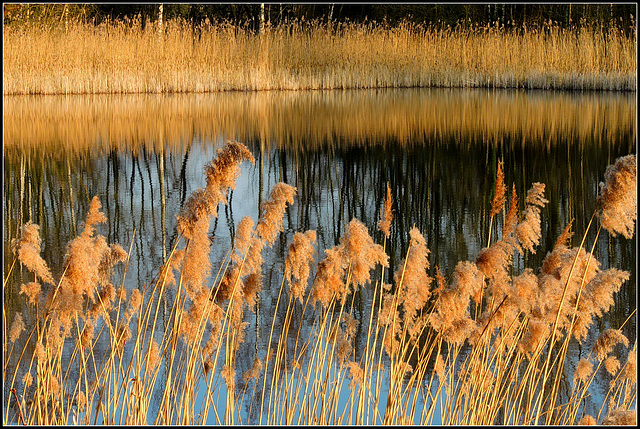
column 119, row 59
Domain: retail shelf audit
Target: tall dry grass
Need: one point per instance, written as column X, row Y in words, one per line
column 122, row 57
column 480, row 345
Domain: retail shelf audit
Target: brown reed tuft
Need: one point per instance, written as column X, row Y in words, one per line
column 242, row 239
column 251, row 287
column 40, row 352
column 607, row 341
column 154, row 356
column 27, row 248
column 196, row 265
column 587, row 421
column 254, row 372
column 511, row 220
column 166, row 270
column 229, row 376
column 82, row 401
column 612, row 365
column 451, row 316
column 361, row 253
column 618, row 199
column 583, row 371
column 565, row 236
column 123, row 335
column 230, row 284
column 17, row 327
column 94, row 217
column 524, row 292
column 272, row 212
column 499, row 196
column 31, row 291
column 528, row 231
column 621, row 417
column 329, row 282
column 386, row 214
column 104, row 302
column 597, row 298
column 27, row 380
column 412, row 277
column 87, row 334
column 221, row 174
column 357, row 374
column 630, row 371
column 88, row 262
column 441, row 282
column 494, row 260
column 54, row 386
column 135, row 303
column 564, row 268
column 297, row 265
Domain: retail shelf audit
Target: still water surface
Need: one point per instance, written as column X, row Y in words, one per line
column 142, row 155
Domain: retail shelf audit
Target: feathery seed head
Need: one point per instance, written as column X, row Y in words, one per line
column 618, row 198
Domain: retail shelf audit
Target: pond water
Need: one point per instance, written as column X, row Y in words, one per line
column 438, row 149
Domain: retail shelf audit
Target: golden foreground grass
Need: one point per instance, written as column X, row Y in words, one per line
column 483, row 345
column 121, row 57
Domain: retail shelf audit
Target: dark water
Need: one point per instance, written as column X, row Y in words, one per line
column 437, row 149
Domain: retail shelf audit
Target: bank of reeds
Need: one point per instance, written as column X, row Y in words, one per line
column 127, row 57
column 476, row 344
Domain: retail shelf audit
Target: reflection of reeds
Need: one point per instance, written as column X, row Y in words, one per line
column 94, row 124
column 94, row 353
column 118, row 57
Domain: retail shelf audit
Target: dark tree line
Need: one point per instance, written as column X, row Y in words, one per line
column 518, row 15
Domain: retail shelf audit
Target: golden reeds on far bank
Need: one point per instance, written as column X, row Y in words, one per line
column 124, row 57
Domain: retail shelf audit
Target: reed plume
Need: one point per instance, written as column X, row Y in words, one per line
column 528, row 231
column 297, row 265
column 329, row 276
column 32, row 291
column 583, row 371
column 272, row 211
column 221, row 174
column 606, row 341
column 17, row 327
column 386, row 214
column 357, row 253
column 27, row 247
column 89, row 262
column 451, row 317
column 621, row 417
column 587, row 420
column 499, row 195
column 361, row 253
column 618, row 199
column 630, row 371
column 412, row 278
column 194, row 221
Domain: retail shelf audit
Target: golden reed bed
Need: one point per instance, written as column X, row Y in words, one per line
column 120, row 57
column 476, row 343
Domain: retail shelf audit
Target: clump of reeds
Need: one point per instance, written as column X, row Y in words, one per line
column 482, row 345
column 128, row 57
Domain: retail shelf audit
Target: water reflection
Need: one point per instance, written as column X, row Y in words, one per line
column 438, row 150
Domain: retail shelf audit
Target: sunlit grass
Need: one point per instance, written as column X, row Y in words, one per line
column 119, row 57
column 472, row 344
